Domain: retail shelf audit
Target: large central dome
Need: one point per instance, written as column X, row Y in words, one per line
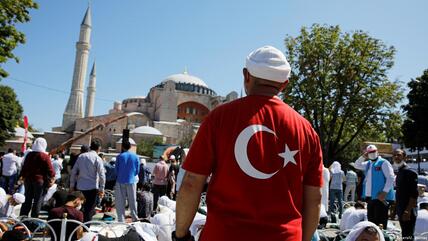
column 185, row 78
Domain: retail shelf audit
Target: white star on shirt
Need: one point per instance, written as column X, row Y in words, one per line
column 288, row 156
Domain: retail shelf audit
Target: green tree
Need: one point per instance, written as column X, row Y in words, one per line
column 11, row 13
column 339, row 84
column 10, row 113
column 146, row 146
column 415, row 126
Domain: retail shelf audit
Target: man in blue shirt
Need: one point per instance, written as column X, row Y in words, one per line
column 127, row 168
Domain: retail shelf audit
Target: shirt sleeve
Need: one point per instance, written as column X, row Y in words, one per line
column 361, row 163
column 389, row 175
column 201, row 156
column 313, row 175
column 74, row 174
column 413, row 185
column 101, row 174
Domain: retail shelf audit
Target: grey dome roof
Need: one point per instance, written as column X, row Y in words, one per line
column 146, row 130
column 185, row 78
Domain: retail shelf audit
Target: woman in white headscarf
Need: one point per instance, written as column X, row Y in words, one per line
column 365, row 231
column 38, row 175
column 336, row 182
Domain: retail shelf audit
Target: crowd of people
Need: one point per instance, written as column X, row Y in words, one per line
column 77, row 187
column 381, row 192
column 260, row 161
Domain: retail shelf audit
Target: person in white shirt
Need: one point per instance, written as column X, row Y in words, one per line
column 378, row 184
column 325, row 187
column 353, row 215
column 351, row 185
column 10, row 166
column 421, row 226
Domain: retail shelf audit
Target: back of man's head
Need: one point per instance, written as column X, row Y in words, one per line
column 84, row 148
column 14, row 235
column 126, row 145
column 268, row 70
column 10, row 150
column 95, row 145
column 75, row 195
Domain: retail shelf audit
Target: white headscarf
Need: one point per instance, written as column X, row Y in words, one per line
column 3, row 197
column 359, row 228
column 19, row 198
column 39, row 145
column 335, row 167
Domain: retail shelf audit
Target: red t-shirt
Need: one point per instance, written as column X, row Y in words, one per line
column 260, row 153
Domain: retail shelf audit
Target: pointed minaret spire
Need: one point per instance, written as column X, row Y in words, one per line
column 74, row 108
column 87, row 20
column 90, row 95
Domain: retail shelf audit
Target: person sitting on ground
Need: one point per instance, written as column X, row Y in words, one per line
column 353, row 215
column 145, row 202
column 365, row 231
column 70, row 210
column 421, row 192
column 14, row 235
column 421, row 225
column 9, row 204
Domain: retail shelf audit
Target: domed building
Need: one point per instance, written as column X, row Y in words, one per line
column 172, row 110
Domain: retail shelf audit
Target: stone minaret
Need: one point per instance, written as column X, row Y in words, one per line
column 74, row 109
column 90, row 94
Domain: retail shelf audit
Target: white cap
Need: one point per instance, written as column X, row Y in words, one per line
column 172, row 157
column 268, row 63
column 3, row 197
column 371, row 148
column 423, row 200
column 143, row 161
column 19, row 198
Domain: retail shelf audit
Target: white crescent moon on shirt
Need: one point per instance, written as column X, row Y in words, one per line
column 241, row 155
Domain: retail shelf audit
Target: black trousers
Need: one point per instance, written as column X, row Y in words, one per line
column 89, row 205
column 377, row 212
column 34, row 192
column 158, row 191
column 408, row 227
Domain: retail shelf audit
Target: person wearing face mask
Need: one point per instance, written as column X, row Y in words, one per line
column 407, row 194
column 70, row 210
column 378, row 184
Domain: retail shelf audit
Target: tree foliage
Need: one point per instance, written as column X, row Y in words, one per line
column 11, row 13
column 10, row 113
column 146, row 146
column 339, row 84
column 415, row 127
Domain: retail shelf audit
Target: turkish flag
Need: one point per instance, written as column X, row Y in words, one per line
column 24, row 144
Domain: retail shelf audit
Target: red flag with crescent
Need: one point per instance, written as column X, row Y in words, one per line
column 24, row 144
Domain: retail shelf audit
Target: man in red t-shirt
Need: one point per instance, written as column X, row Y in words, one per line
column 265, row 161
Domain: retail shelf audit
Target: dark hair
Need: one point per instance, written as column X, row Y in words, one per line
column 84, row 148
column 126, row 145
column 101, row 155
column 9, row 150
column 146, row 187
column 95, row 145
column 13, row 235
column 75, row 195
column 423, row 206
column 359, row 204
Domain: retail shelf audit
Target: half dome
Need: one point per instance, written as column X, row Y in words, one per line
column 146, row 130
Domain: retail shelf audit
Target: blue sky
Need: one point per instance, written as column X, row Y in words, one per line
column 138, row 43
